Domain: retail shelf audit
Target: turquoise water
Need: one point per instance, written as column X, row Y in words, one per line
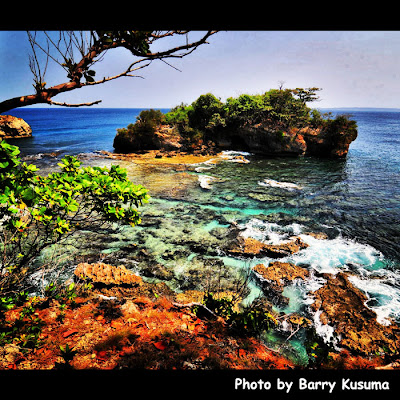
column 355, row 201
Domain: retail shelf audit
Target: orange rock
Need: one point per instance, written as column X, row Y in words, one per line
column 107, row 274
column 69, row 333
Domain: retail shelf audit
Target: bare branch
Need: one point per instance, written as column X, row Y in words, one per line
column 56, row 103
column 126, row 73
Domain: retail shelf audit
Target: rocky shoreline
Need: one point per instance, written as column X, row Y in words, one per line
column 123, row 322
column 259, row 139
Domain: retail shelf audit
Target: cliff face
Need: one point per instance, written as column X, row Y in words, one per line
column 13, row 128
column 258, row 139
column 261, row 139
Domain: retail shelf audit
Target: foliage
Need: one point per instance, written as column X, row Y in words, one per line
column 246, row 109
column 280, row 109
column 37, row 211
column 24, row 330
column 144, row 127
column 317, row 350
column 67, row 353
column 342, row 123
column 284, row 107
column 251, row 320
column 204, row 110
column 179, row 116
column 61, row 293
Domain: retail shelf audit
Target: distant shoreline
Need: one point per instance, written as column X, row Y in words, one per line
column 387, row 109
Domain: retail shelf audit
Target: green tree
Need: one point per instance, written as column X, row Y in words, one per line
column 37, row 211
column 204, row 110
column 306, row 95
column 246, row 109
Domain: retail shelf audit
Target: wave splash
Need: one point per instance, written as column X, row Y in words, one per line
column 368, row 269
column 283, row 185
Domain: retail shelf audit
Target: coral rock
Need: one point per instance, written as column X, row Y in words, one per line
column 107, row 274
column 274, row 277
column 279, row 272
column 249, row 247
column 342, row 305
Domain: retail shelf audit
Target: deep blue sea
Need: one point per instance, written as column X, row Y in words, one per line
column 355, row 200
column 73, row 131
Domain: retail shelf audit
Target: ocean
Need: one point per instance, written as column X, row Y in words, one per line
column 355, row 201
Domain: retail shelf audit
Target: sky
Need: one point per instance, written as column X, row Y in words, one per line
column 353, row 69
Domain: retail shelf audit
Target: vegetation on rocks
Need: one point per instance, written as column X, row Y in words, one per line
column 276, row 122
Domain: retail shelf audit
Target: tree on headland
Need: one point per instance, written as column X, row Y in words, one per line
column 78, row 52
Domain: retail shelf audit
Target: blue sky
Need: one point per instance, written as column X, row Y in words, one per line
column 354, row 69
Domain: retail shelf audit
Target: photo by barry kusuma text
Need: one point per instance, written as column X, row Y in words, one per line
column 305, row 384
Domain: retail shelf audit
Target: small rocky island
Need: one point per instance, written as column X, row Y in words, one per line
column 13, row 128
column 277, row 122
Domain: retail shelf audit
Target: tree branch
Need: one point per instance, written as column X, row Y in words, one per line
column 56, row 103
column 91, row 51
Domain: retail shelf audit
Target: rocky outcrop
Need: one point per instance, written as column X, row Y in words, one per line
column 279, row 273
column 118, row 282
column 106, row 274
column 342, row 306
column 249, row 247
column 274, row 278
column 165, row 137
column 13, row 128
column 334, row 143
column 262, row 139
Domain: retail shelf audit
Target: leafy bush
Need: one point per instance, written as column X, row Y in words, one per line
column 246, row 109
column 179, row 116
column 203, row 110
column 282, row 107
column 143, row 129
column 37, row 211
column 25, row 330
column 252, row 320
column 342, row 123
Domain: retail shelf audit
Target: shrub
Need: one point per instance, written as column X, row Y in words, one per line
column 37, row 211
column 141, row 132
column 246, row 109
column 203, row 110
column 25, row 330
column 251, row 320
column 342, row 123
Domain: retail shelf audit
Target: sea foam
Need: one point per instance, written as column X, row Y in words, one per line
column 283, row 185
column 365, row 263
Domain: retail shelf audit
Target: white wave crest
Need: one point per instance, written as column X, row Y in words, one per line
column 283, row 185
column 205, row 181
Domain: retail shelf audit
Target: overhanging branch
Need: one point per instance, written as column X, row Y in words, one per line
column 56, row 103
column 91, row 52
